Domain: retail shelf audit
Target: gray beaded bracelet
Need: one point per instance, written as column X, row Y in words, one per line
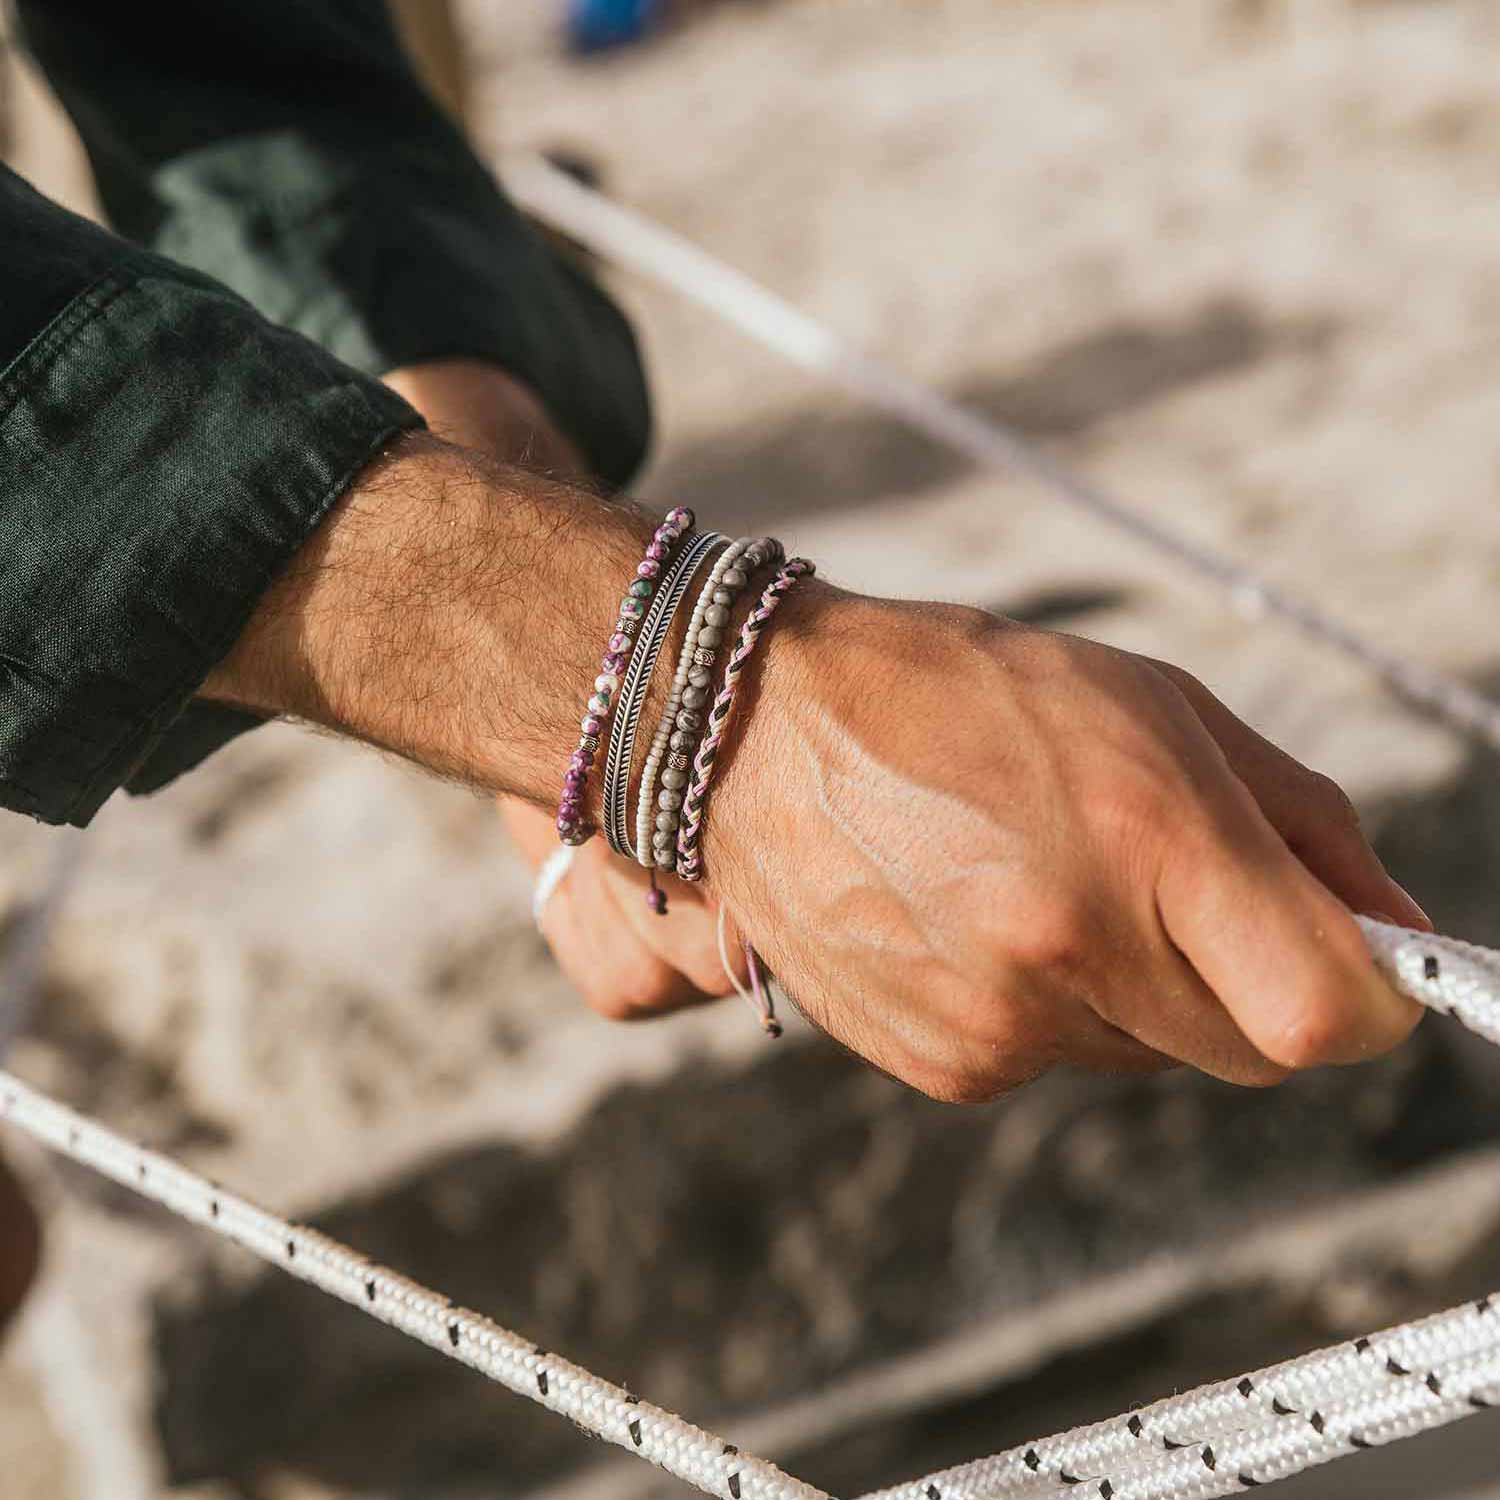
column 632, row 700
column 664, row 729
column 677, row 734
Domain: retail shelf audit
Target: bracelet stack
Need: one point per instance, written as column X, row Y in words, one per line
column 678, row 773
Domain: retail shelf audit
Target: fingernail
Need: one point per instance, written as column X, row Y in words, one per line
column 1411, row 915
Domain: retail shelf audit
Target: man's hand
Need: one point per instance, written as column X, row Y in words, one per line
column 973, row 850
column 969, row 849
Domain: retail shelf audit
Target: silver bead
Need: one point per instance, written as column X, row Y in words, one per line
column 694, row 697
column 681, row 740
column 668, row 822
column 716, row 614
column 677, row 762
column 588, row 742
column 704, row 657
column 723, row 596
column 674, row 781
column 699, row 677
column 710, row 636
column 690, row 719
column 669, row 801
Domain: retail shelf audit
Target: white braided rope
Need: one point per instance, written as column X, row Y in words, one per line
column 1275, row 1422
column 1216, row 1440
column 608, row 1411
column 628, row 239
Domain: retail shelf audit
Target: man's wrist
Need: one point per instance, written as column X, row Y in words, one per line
column 454, row 611
column 450, row 610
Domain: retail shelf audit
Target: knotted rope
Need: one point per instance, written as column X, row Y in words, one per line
column 1217, row 1440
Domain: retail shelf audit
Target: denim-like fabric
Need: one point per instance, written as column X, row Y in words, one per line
column 164, row 453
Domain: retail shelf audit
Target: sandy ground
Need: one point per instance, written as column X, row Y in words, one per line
column 1235, row 259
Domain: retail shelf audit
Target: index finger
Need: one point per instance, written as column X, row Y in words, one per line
column 1283, row 955
column 1310, row 811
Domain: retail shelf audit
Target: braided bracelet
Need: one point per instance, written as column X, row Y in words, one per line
column 668, row 729
column 689, row 835
column 676, row 735
column 632, row 698
column 571, row 825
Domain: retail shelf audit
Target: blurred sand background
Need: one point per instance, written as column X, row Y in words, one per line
column 1238, row 258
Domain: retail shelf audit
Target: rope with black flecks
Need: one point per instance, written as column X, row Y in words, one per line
column 690, row 831
column 1226, row 1437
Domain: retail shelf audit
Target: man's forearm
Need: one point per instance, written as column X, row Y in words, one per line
column 970, row 849
column 451, row 610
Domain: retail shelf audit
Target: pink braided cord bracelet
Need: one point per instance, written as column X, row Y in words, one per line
column 690, row 834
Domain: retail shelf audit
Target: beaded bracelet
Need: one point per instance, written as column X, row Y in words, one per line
column 677, row 734
column 632, row 697
column 689, row 835
column 571, row 825
column 668, row 726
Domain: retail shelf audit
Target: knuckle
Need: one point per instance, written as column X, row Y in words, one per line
column 992, row 1049
column 1334, row 802
column 968, row 1083
column 1053, row 936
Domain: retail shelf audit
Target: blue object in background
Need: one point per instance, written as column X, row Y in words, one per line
column 597, row 25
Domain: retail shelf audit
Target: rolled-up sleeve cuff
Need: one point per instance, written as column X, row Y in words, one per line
column 165, row 453
column 407, row 252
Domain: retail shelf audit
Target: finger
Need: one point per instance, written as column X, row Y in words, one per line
column 686, row 937
column 604, row 955
column 1279, row 950
column 1327, row 839
column 1163, row 1004
column 1310, row 811
column 1103, row 1048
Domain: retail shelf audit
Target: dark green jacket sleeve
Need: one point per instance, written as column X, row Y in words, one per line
column 287, row 148
column 164, row 452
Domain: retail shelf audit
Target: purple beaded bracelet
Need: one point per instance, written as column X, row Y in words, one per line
column 572, row 827
column 690, row 832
